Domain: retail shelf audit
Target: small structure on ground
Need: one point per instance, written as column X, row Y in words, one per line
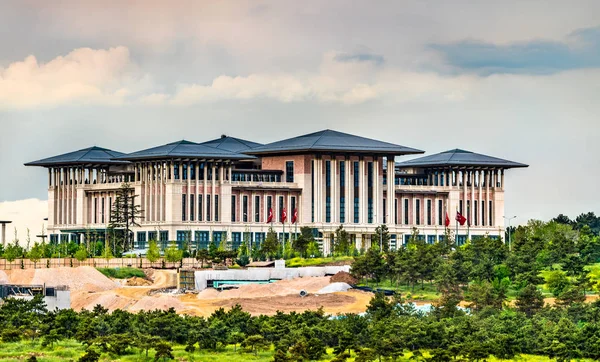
column 55, row 297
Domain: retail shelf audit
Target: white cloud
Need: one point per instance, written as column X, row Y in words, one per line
column 85, row 75
column 24, row 214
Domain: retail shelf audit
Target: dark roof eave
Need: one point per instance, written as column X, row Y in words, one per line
column 450, row 165
column 79, row 163
column 168, row 157
column 396, row 152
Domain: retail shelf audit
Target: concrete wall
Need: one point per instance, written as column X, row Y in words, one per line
column 202, row 277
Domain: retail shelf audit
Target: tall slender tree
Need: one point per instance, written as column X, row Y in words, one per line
column 124, row 215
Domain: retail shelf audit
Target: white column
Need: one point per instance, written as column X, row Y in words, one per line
column 363, row 191
column 349, row 195
column 391, row 193
column 479, row 198
column 213, row 190
column 377, row 209
column 204, row 188
column 488, row 178
column 188, row 205
column 335, row 184
column 3, row 235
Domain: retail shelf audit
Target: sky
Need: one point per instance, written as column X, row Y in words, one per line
column 518, row 80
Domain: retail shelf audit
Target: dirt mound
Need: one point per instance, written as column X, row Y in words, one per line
column 343, row 277
column 138, row 282
column 108, row 299
column 83, row 278
column 278, row 288
column 162, row 302
column 335, row 287
column 3, row 277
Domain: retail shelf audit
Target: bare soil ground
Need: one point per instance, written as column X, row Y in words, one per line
column 90, row 287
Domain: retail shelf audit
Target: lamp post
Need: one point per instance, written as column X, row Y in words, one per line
column 509, row 218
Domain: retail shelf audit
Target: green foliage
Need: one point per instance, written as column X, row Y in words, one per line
column 270, row 246
column 341, row 245
column 153, row 253
column 36, row 253
column 173, row 254
column 122, row 273
column 81, row 253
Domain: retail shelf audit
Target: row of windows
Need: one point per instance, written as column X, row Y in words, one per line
column 199, row 213
column 245, row 206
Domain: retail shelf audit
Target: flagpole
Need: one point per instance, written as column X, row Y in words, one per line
column 456, row 234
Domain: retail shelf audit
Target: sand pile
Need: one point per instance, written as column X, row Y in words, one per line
column 162, row 302
column 109, row 300
column 137, row 282
column 3, row 277
column 343, row 277
column 83, row 278
column 335, row 287
column 279, row 288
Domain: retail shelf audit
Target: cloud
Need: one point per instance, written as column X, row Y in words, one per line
column 360, row 57
column 91, row 76
column 341, row 78
column 24, row 214
column 580, row 50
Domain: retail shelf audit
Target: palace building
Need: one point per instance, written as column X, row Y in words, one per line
column 227, row 189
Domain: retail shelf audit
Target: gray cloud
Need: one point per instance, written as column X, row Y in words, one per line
column 580, row 50
column 360, row 57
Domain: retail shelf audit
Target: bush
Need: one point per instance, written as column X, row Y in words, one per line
column 11, row 335
column 122, row 273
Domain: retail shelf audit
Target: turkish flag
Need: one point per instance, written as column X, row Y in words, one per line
column 461, row 219
column 447, row 222
column 295, row 216
column 270, row 217
column 283, row 215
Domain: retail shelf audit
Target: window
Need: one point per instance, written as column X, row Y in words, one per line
column 217, row 237
column 418, row 212
column 236, row 240
column 184, row 235
column 430, row 239
column 245, row 208
column 216, row 207
column 292, row 207
column 476, row 216
column 395, row 211
column 185, row 171
column 384, row 211
column 103, row 212
column 95, row 210
column 460, row 207
column 490, row 212
column 440, row 212
column 232, row 208
column 256, row 208
column 200, row 210
column 176, row 171
column 192, row 203
column 192, row 171
column 141, row 237
column 269, row 204
column 405, row 211
column 183, row 208
column 289, row 171
column 482, row 213
column 208, row 211
column 152, row 236
column 280, row 208
column 164, row 235
column 202, row 239
column 428, row 212
column 259, row 238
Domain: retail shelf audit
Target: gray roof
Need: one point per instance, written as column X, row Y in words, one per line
column 183, row 149
column 458, row 157
column 332, row 141
column 92, row 156
column 231, row 144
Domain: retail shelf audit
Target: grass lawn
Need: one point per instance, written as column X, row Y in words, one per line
column 122, row 273
column 72, row 350
column 300, row 262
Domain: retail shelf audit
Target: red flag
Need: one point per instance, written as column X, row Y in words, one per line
column 283, row 215
column 447, row 223
column 295, row 216
column 270, row 217
column 461, row 219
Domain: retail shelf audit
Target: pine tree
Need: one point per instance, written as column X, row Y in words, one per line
column 270, row 245
column 124, row 215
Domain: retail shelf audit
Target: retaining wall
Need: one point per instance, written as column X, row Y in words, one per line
column 202, row 277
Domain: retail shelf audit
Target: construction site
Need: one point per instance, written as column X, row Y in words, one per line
column 199, row 293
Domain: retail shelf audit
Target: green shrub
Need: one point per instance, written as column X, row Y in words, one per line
column 122, row 273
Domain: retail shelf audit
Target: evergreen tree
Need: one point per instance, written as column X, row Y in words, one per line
column 270, row 245
column 124, row 215
column 341, row 245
